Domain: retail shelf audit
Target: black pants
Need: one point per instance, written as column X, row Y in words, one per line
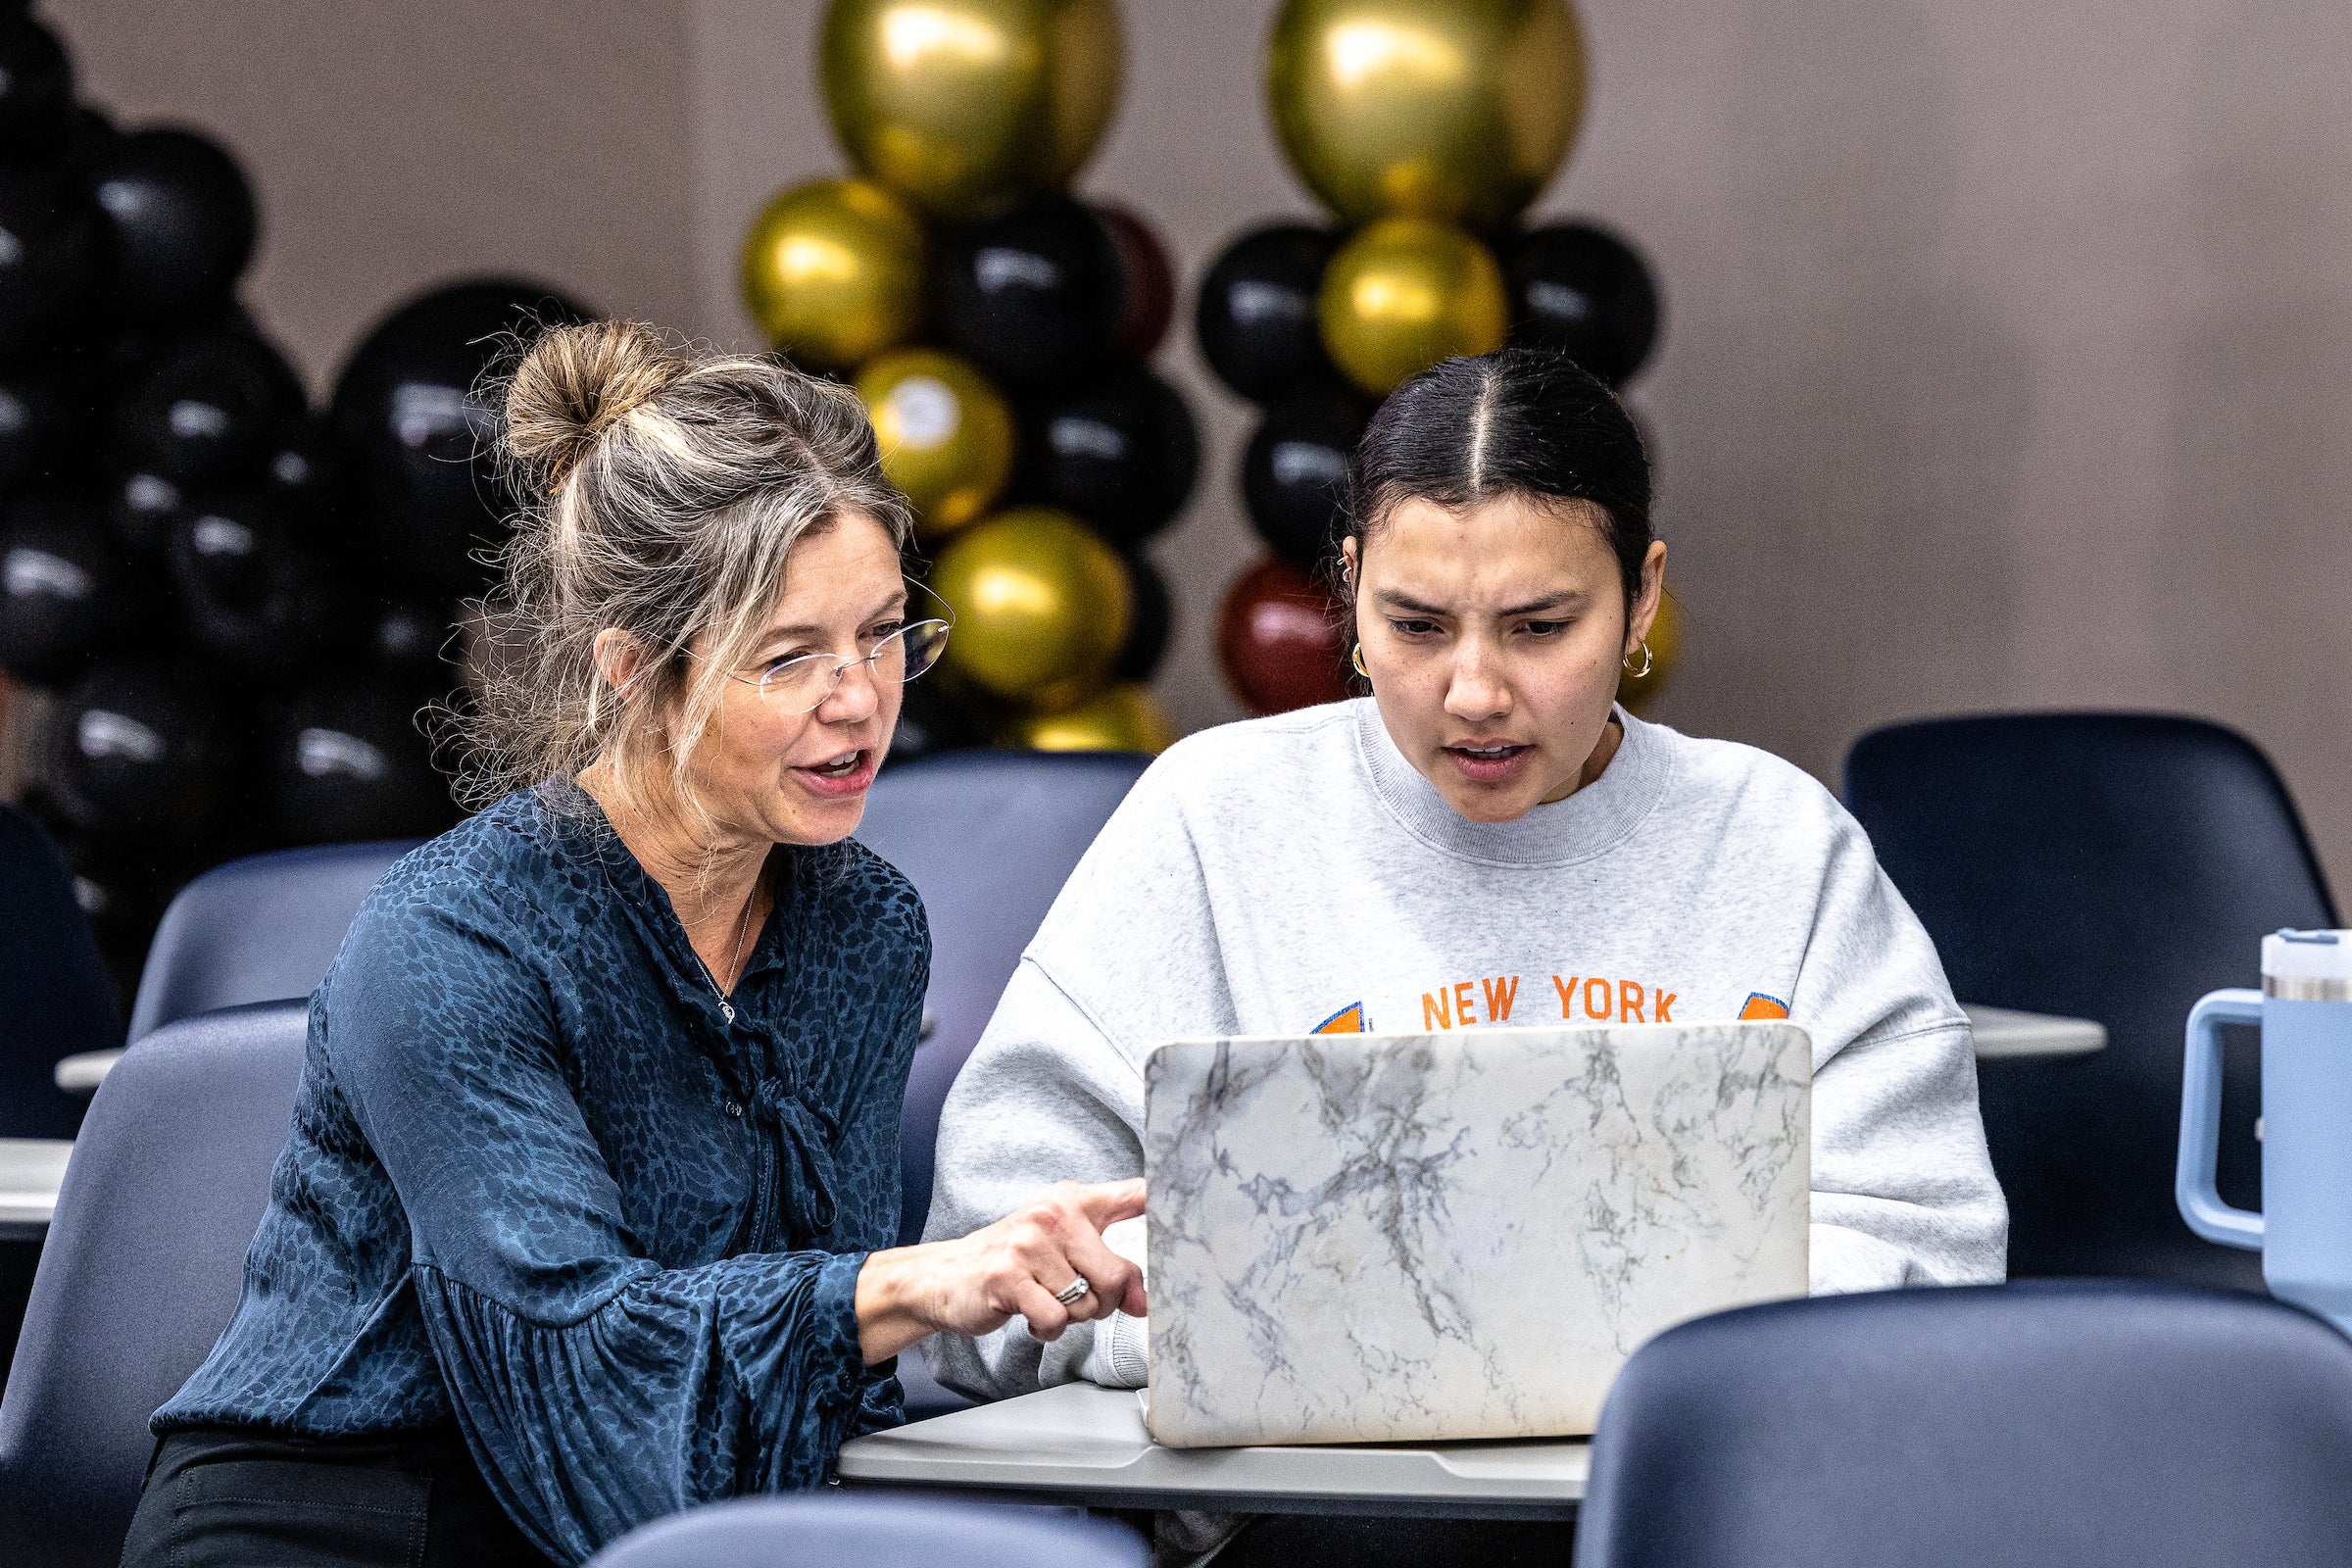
column 217, row 1497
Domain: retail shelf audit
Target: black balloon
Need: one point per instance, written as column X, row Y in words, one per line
column 53, row 257
column 1033, row 296
column 1295, row 473
column 40, row 420
column 256, row 589
column 347, row 761
column 136, row 755
column 1584, row 292
column 144, row 507
column 1121, row 452
column 413, row 440
column 413, row 635
column 1256, row 312
column 69, row 593
column 182, row 219
column 299, row 466
column 36, row 89
column 89, row 136
column 1148, row 629
column 209, row 411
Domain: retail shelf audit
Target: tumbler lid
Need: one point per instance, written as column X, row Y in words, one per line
column 2307, row 955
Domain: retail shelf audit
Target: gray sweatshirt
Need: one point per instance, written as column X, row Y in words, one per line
column 1296, row 873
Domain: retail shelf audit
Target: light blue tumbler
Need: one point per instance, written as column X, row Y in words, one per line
column 2304, row 1231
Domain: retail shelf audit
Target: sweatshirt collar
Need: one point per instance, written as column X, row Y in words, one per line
column 1589, row 822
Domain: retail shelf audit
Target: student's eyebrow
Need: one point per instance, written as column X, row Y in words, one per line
column 1390, row 599
column 1565, row 598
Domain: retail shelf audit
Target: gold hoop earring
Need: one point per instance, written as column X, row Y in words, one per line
column 1648, row 659
column 1358, row 660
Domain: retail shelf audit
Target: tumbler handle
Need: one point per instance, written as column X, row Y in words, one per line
column 2201, row 1122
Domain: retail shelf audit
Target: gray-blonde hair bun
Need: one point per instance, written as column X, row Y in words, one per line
column 663, row 489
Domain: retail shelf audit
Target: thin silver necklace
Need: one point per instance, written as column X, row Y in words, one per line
column 743, row 930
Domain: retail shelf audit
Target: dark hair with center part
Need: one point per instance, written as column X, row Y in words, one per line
column 1516, row 422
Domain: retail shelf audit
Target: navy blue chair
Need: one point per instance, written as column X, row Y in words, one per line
column 987, row 838
column 2113, row 866
column 2094, row 1424
column 871, row 1530
column 257, row 929
column 55, row 997
column 141, row 1272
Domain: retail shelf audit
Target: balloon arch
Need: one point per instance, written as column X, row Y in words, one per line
column 1000, row 330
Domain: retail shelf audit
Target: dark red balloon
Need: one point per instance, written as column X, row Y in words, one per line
column 1278, row 639
column 1147, row 300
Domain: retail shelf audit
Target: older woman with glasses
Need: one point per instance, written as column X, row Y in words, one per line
column 586, row 1209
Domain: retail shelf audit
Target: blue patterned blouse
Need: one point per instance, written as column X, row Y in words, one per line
column 542, row 1178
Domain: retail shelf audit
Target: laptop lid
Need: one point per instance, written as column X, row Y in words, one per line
column 1389, row 1237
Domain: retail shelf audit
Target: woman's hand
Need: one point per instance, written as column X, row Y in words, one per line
column 1014, row 1268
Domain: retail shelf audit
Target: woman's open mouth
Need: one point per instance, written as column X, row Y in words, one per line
column 850, row 773
column 1487, row 762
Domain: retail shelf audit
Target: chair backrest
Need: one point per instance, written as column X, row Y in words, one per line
column 873, row 1529
column 2100, row 1424
column 258, row 929
column 987, row 838
column 141, row 1271
column 2113, row 866
column 54, row 994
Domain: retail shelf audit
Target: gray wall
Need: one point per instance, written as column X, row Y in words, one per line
column 2010, row 351
column 395, row 143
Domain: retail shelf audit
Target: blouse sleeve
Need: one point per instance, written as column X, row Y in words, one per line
column 597, row 1390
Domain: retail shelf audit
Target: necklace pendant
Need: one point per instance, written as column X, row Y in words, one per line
column 728, row 1007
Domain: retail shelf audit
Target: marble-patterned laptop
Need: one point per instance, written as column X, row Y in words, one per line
column 1392, row 1237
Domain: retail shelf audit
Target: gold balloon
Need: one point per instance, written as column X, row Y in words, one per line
column 1042, row 605
column 969, row 104
column 946, row 434
column 1665, row 645
column 1452, row 108
column 833, row 272
column 1405, row 293
column 1121, row 719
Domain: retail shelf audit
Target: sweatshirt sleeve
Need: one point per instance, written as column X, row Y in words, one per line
column 1903, row 1189
column 1045, row 1096
column 597, row 1390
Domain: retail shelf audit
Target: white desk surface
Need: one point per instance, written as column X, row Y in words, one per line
column 31, row 1170
column 1085, row 1446
column 2004, row 1032
column 83, row 1072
